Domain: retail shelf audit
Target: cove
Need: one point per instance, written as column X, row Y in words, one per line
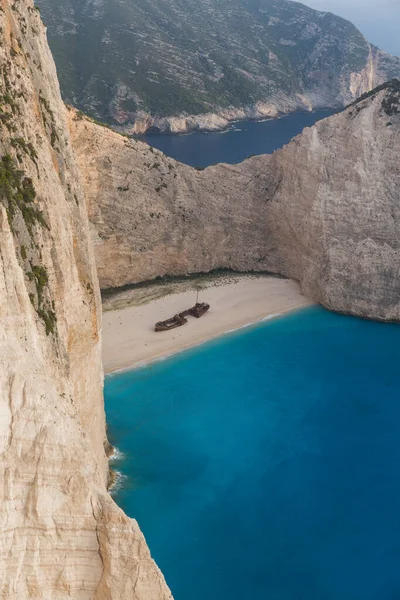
column 266, row 464
column 245, row 138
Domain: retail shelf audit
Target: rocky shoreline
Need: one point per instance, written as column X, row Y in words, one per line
column 220, row 120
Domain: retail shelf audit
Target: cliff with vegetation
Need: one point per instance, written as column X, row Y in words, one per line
column 177, row 66
column 324, row 210
column 61, row 534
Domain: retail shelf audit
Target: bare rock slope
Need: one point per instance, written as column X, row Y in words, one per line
column 61, row 535
column 324, row 210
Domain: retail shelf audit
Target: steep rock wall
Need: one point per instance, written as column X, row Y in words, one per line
column 61, row 534
column 323, row 210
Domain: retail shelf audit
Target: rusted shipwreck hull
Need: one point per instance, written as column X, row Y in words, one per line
column 198, row 310
column 176, row 321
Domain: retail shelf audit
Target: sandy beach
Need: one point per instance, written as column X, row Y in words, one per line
column 129, row 338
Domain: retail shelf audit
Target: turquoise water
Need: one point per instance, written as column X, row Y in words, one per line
column 266, row 465
column 202, row 149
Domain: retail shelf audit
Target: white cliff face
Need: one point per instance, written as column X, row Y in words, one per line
column 324, row 210
column 61, row 534
column 337, row 209
column 373, row 75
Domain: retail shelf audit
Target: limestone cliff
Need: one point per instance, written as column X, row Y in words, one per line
column 324, row 210
column 61, row 534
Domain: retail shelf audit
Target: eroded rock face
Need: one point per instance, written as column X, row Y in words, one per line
column 323, row 210
column 61, row 535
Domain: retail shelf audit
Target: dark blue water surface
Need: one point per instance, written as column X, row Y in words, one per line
column 201, row 149
column 266, row 465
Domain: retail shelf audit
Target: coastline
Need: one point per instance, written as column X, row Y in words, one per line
column 217, row 122
column 129, row 339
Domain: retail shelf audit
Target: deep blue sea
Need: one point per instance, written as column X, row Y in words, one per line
column 200, row 149
column 265, row 465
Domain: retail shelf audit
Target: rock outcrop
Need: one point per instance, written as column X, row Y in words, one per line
column 324, row 210
column 61, row 534
column 179, row 66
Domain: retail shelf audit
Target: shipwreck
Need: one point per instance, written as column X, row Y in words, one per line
column 197, row 311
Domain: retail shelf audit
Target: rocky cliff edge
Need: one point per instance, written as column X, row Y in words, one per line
column 62, row 536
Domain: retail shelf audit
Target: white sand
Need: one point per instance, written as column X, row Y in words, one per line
column 129, row 337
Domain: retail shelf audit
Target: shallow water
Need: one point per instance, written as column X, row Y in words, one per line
column 200, row 149
column 266, row 464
